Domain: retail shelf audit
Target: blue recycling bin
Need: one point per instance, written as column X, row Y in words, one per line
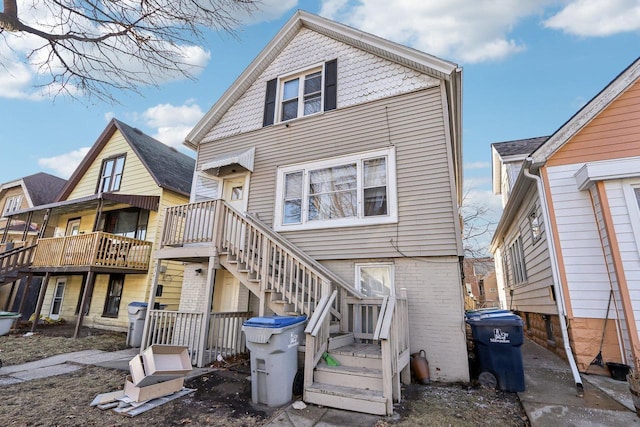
column 497, row 339
column 273, row 342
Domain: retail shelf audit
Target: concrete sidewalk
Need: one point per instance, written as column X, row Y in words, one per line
column 550, row 398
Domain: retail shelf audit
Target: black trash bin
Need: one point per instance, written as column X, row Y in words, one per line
column 497, row 339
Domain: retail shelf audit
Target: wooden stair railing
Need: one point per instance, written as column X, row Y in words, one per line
column 14, row 261
column 274, row 265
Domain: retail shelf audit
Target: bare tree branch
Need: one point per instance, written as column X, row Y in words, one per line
column 93, row 47
column 478, row 225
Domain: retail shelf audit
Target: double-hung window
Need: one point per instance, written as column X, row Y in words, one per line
column 301, row 96
column 12, row 204
column 518, row 267
column 111, row 174
column 301, row 93
column 346, row 191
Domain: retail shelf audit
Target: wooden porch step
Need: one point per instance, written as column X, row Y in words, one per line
column 360, row 378
column 350, row 398
column 359, row 355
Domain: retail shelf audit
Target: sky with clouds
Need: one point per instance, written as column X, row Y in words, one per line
column 528, row 66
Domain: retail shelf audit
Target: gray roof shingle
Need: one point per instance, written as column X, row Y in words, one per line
column 43, row 188
column 170, row 168
column 519, row 146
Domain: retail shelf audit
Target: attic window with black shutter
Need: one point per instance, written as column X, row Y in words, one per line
column 302, row 94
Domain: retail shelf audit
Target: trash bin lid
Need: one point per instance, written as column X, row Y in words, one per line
column 138, row 304
column 8, row 314
column 274, row 321
column 497, row 319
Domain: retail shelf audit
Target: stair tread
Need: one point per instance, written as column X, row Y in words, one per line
column 347, row 392
column 356, row 370
column 359, row 350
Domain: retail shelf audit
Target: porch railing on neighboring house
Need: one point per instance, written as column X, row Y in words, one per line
column 225, row 336
column 93, row 249
column 14, row 260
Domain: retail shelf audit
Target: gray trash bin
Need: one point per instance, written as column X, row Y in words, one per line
column 273, row 342
column 137, row 315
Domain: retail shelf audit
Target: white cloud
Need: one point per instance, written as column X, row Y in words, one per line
column 23, row 73
column 64, row 164
column 268, row 10
column 468, row 31
column 477, row 165
column 598, row 18
column 172, row 123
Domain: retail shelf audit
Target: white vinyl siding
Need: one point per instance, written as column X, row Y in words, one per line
column 580, row 245
column 625, row 216
column 414, row 124
column 384, row 79
column 532, row 295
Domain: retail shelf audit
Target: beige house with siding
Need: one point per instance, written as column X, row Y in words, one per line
column 567, row 247
column 23, row 193
column 327, row 183
column 94, row 255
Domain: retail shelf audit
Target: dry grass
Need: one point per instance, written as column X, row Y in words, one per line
column 21, row 347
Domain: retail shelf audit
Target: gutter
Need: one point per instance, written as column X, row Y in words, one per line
column 555, row 273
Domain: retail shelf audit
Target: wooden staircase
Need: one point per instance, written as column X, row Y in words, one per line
column 15, row 263
column 360, row 366
column 372, row 353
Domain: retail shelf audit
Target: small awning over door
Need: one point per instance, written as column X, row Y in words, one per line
column 242, row 158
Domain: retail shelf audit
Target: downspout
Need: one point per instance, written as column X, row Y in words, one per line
column 556, row 275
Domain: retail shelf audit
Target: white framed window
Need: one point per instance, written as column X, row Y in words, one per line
column 58, row 297
column 301, row 94
column 534, row 225
column 111, row 174
column 631, row 189
column 12, row 204
column 516, row 258
column 353, row 190
column 375, row 279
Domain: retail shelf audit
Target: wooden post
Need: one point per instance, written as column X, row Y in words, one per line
column 150, row 304
column 27, row 225
column 7, row 225
column 204, row 328
column 25, row 292
column 90, row 281
column 43, row 291
column 13, row 287
column 45, row 222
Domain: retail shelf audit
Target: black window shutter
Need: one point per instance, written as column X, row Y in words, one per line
column 270, row 103
column 330, row 84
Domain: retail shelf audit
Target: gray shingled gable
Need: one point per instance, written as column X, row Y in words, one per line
column 170, row 168
column 43, row 188
column 519, row 146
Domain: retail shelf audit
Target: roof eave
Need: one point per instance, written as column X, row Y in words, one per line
column 587, row 113
column 413, row 58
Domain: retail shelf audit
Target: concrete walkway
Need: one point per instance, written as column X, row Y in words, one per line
column 550, row 398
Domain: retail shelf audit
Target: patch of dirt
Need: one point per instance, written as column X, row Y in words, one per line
column 440, row 404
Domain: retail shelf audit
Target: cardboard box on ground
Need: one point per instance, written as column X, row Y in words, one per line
column 158, row 372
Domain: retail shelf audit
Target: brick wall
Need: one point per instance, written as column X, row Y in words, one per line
column 436, row 315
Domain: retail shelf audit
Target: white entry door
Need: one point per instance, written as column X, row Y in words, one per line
column 58, row 295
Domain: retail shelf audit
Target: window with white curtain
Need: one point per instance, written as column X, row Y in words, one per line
column 351, row 190
column 375, row 279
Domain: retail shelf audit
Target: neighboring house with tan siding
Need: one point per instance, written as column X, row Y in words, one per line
column 23, row 193
column 569, row 236
column 95, row 255
column 333, row 163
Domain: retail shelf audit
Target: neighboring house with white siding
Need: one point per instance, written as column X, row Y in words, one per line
column 569, row 236
column 333, row 163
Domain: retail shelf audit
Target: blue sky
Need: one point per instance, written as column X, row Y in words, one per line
column 529, row 65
